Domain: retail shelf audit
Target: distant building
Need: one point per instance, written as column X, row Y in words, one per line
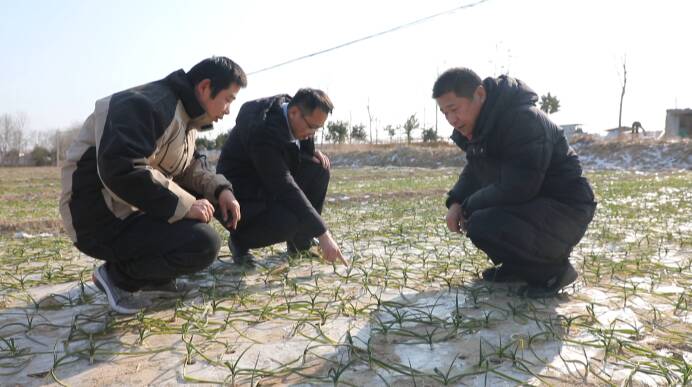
column 572, row 129
column 678, row 123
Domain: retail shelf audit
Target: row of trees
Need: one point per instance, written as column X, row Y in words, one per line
column 11, row 137
column 18, row 147
column 341, row 132
column 337, row 132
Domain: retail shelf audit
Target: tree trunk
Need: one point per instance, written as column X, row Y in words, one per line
column 622, row 96
column 370, row 117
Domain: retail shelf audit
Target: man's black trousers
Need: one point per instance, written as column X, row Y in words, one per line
column 266, row 222
column 534, row 239
column 143, row 250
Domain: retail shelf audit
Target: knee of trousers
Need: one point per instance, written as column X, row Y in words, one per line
column 206, row 244
column 479, row 225
column 315, row 172
column 323, row 176
column 484, row 231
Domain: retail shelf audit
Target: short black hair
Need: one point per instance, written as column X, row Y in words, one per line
column 220, row 70
column 307, row 100
column 461, row 80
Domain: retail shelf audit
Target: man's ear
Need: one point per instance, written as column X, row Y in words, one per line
column 203, row 86
column 293, row 110
column 480, row 94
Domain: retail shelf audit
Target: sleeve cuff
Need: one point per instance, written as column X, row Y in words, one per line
column 451, row 200
column 465, row 211
column 185, row 201
column 220, row 188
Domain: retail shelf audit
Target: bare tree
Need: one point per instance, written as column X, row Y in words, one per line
column 624, row 83
column 12, row 140
column 63, row 139
column 371, row 117
column 6, row 128
column 42, row 138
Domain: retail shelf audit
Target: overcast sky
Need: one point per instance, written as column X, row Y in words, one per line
column 58, row 57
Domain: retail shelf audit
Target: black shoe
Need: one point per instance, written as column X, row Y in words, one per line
column 553, row 285
column 240, row 256
column 499, row 274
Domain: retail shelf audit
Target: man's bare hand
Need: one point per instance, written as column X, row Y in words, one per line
column 330, row 250
column 201, row 210
column 230, row 209
column 321, row 158
column 455, row 219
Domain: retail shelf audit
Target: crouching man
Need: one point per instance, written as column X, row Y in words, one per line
column 521, row 198
column 134, row 192
column 278, row 177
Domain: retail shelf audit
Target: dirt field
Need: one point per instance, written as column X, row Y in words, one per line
column 410, row 309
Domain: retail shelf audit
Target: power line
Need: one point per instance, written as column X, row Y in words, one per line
column 399, row 27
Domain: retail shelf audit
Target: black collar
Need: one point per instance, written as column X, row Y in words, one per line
column 186, row 92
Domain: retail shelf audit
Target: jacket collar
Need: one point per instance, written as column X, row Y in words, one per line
column 185, row 90
column 267, row 113
column 503, row 93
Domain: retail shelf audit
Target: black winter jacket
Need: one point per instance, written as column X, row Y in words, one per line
column 259, row 159
column 516, row 154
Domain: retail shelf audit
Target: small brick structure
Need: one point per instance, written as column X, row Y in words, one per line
column 678, row 123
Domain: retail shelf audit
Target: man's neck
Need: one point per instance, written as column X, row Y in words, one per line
column 293, row 138
column 468, row 134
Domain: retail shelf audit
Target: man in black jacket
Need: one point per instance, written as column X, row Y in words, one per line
column 277, row 175
column 521, row 198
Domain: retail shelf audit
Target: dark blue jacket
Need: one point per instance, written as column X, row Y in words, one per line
column 259, row 158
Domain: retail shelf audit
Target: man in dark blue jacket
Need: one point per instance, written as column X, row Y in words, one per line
column 277, row 175
column 521, row 198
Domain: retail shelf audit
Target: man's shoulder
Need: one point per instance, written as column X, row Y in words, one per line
column 252, row 113
column 524, row 118
column 263, row 117
column 273, row 102
column 516, row 125
column 155, row 95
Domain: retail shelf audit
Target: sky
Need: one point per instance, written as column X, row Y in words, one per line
column 58, row 57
